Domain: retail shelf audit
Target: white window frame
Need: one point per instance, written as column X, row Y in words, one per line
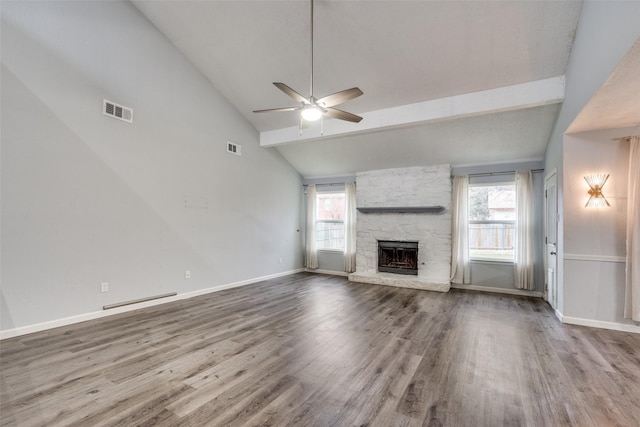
column 328, row 221
column 479, row 259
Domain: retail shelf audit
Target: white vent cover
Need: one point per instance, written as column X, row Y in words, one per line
column 117, row 111
column 234, row 148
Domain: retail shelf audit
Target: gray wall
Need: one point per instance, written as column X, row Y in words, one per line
column 605, row 33
column 331, row 261
column 88, row 199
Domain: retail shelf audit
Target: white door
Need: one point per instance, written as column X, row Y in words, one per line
column 551, row 238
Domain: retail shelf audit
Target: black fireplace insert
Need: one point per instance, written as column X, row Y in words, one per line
column 399, row 257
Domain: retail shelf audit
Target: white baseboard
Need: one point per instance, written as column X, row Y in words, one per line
column 332, row 272
column 559, row 315
column 237, row 284
column 38, row 327
column 623, row 327
column 519, row 292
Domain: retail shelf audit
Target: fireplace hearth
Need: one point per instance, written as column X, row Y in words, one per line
column 398, row 257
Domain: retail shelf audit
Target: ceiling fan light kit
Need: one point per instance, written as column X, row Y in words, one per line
column 312, row 109
column 311, row 113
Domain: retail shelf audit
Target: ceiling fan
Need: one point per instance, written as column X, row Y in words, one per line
column 311, row 108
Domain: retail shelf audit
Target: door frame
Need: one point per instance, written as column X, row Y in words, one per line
column 551, row 180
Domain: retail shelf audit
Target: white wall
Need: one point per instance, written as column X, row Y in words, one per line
column 88, row 199
column 594, row 244
column 606, row 31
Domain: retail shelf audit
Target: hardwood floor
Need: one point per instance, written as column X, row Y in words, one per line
column 315, row 350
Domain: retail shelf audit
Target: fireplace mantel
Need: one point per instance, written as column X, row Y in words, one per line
column 402, row 209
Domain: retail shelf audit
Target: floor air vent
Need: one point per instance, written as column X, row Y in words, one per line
column 117, row 111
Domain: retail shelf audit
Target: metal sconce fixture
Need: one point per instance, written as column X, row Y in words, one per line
column 596, row 182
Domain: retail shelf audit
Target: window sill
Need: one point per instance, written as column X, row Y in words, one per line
column 491, row 261
column 332, row 251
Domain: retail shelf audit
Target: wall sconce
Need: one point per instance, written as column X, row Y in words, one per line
column 596, row 182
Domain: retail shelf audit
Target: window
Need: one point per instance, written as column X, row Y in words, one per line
column 330, row 209
column 492, row 222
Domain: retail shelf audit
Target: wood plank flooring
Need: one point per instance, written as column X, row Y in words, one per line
column 316, row 350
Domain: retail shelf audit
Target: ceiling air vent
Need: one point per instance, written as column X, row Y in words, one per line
column 234, row 148
column 117, row 111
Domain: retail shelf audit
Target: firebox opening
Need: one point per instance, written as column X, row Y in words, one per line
column 398, row 257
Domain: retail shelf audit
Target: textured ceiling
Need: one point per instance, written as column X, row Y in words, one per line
column 397, row 52
column 617, row 103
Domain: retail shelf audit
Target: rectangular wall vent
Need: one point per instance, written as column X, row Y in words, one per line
column 234, row 148
column 117, row 111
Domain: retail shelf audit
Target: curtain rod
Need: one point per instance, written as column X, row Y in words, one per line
column 470, row 174
column 329, row 183
column 497, row 173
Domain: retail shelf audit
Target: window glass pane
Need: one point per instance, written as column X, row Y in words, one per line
column 492, row 241
column 495, row 207
column 330, row 221
column 330, row 235
column 492, row 202
column 330, row 206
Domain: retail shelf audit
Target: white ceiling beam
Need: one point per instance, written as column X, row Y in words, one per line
column 525, row 95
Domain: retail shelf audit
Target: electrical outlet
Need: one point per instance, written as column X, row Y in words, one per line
column 187, row 274
column 280, row 260
column 104, row 287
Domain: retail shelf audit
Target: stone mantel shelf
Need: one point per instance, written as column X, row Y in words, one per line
column 401, row 209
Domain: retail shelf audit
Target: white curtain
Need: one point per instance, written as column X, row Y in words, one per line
column 460, row 266
column 350, row 227
column 311, row 253
column 632, row 295
column 524, row 231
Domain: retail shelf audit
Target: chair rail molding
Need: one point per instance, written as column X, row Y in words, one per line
column 597, row 258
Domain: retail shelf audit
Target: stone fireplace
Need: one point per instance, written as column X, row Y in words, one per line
column 407, row 205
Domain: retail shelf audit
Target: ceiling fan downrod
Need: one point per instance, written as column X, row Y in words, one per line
column 311, row 88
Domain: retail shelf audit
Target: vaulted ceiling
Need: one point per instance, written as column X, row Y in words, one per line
column 455, row 82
